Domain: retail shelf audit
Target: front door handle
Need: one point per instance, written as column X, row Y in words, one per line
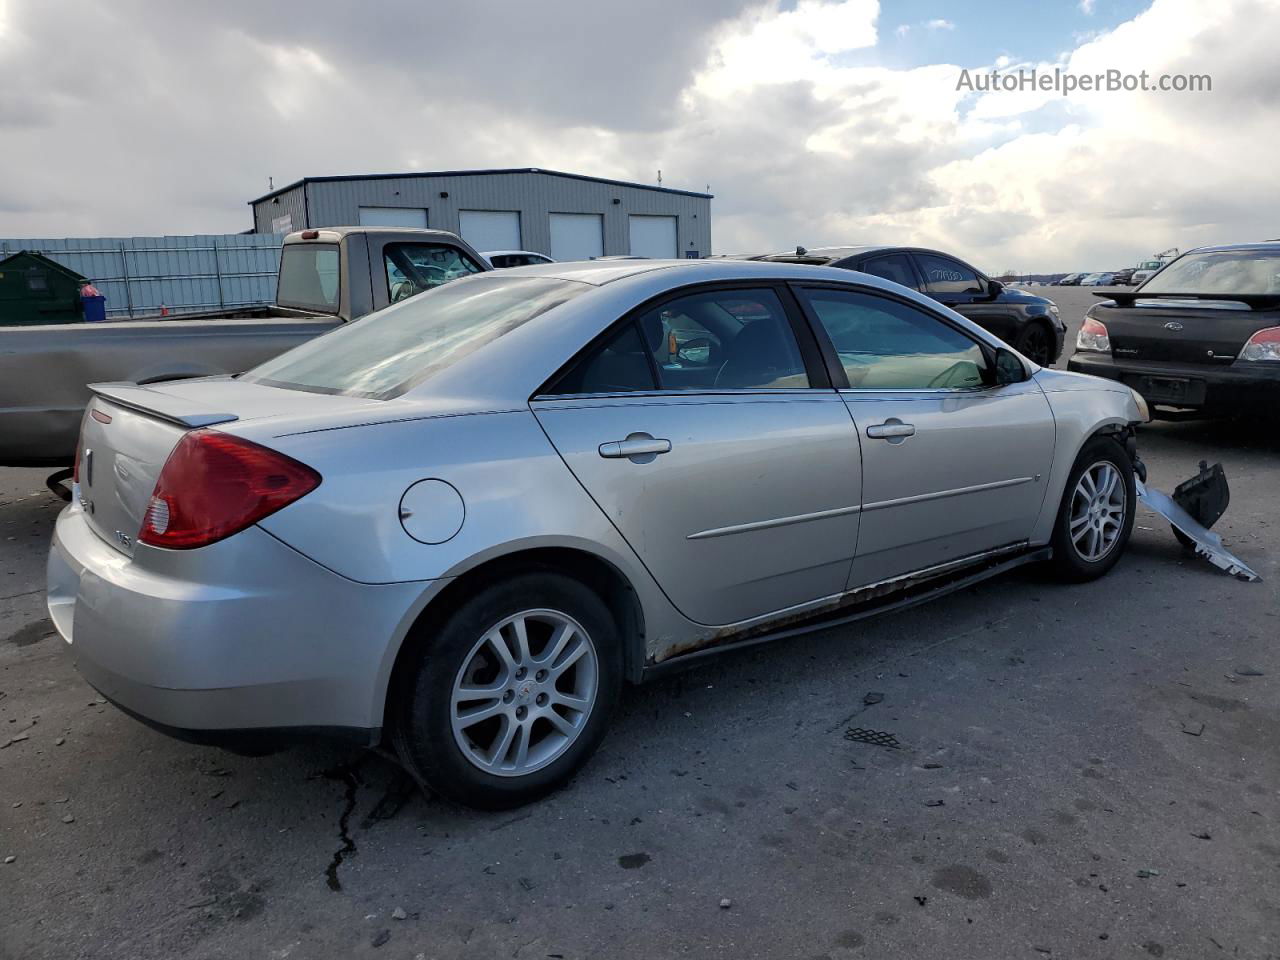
column 893, row 430
column 638, row 448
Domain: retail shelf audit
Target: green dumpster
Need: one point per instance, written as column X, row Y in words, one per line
column 35, row 289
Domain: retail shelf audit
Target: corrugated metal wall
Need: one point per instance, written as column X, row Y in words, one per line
column 138, row 275
column 284, row 213
column 535, row 195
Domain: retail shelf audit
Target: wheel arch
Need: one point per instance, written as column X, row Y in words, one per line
column 591, row 569
column 1029, row 321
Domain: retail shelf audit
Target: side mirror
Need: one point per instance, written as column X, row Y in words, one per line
column 1009, row 368
column 994, row 287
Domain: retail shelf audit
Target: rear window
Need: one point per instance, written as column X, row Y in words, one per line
column 386, row 353
column 1224, row 272
column 309, row 277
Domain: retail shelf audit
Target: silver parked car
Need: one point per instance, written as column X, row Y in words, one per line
column 460, row 524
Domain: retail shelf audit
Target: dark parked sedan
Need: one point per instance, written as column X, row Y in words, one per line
column 1029, row 323
column 1202, row 336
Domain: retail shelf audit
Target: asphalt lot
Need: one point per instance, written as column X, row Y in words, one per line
column 1085, row 771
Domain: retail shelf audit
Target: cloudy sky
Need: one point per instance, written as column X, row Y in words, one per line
column 812, row 122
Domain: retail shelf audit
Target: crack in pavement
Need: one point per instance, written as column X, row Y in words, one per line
column 345, row 774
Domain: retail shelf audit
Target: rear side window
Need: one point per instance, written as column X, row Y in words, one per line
column 309, row 277
column 895, row 267
column 618, row 365
column 715, row 340
column 384, row 354
column 884, row 344
column 724, row 340
column 415, row 267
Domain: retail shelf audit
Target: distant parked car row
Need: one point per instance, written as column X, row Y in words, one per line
column 1092, row 280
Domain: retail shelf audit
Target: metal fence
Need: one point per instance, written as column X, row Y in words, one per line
column 146, row 276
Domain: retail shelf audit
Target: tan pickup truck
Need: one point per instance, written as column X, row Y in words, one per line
column 327, row 277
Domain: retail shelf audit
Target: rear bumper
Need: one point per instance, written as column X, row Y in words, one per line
column 1237, row 388
column 243, row 637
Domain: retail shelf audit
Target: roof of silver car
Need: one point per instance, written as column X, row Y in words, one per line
column 600, row 272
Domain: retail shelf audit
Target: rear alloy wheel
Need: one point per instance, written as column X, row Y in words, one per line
column 1036, row 344
column 524, row 693
column 512, row 694
column 1095, row 518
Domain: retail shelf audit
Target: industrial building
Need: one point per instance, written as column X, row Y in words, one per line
column 567, row 216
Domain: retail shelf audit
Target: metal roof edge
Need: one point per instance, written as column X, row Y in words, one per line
column 416, row 174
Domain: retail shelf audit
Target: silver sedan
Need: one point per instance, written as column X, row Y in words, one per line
column 459, row 525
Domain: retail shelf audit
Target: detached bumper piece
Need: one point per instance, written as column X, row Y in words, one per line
column 1194, row 507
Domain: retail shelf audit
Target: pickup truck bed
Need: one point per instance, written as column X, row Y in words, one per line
column 327, row 277
column 47, row 369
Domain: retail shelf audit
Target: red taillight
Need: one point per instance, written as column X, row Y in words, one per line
column 1093, row 336
column 1263, row 345
column 215, row 484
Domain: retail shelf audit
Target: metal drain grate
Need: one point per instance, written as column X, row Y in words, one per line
column 877, row 738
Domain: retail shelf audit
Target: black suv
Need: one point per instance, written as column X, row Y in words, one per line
column 1030, row 323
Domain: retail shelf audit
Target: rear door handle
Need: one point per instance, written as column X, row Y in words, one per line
column 893, row 430
column 638, row 448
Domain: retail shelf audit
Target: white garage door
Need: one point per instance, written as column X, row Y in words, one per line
column 577, row 236
column 653, row 237
column 490, row 229
column 393, row 217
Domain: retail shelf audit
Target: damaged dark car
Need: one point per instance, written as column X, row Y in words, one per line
column 1199, row 339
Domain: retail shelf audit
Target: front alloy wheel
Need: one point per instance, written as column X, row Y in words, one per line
column 1095, row 516
column 1097, row 511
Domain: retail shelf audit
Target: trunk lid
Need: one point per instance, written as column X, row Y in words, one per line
column 129, row 431
column 1207, row 332
column 124, row 443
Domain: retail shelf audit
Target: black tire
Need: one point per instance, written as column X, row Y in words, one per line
column 422, row 729
column 1068, row 562
column 1036, row 342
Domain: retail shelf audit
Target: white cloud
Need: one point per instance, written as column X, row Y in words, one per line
column 1086, row 7
column 781, row 108
column 939, row 25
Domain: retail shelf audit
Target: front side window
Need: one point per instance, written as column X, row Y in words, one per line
column 895, row 267
column 386, row 353
column 1226, row 272
column 885, row 344
column 309, row 277
column 415, row 267
column 944, row 275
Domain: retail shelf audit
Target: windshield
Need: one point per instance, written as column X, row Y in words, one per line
column 1222, row 272
column 384, row 354
column 309, row 277
column 1150, row 265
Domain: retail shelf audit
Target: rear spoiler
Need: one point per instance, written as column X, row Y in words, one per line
column 159, row 404
column 1255, row 301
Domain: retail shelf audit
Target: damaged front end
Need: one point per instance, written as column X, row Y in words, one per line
column 1194, row 507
